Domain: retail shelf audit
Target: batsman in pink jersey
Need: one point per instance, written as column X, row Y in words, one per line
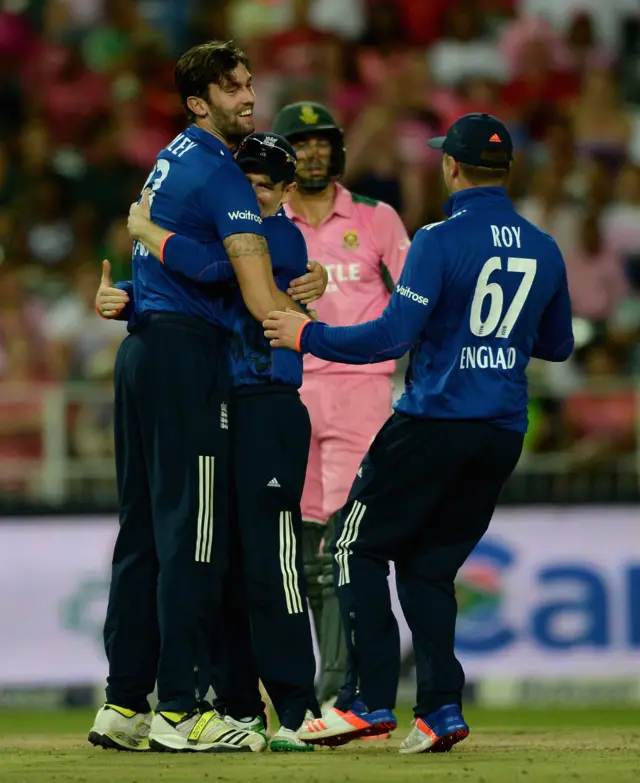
column 363, row 244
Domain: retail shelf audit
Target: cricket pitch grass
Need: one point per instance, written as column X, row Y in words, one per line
column 505, row 746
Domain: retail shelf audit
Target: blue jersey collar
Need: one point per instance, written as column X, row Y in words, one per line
column 493, row 198
column 209, row 140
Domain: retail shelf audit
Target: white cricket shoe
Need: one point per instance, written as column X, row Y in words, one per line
column 288, row 741
column 121, row 729
column 329, row 703
column 247, row 724
column 437, row 733
column 337, row 728
column 177, row 732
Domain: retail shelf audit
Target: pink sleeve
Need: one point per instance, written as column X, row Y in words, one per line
column 391, row 239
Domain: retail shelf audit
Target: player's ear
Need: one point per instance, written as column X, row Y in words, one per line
column 454, row 167
column 289, row 190
column 197, row 106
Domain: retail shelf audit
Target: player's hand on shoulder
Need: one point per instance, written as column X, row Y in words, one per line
column 110, row 301
column 283, row 330
column 139, row 216
column 309, row 287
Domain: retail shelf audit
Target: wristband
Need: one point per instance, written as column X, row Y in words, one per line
column 163, row 243
column 303, row 326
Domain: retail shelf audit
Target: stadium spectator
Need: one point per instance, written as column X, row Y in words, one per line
column 602, row 127
column 35, row 149
column 596, row 276
column 109, row 46
column 583, row 49
column 50, row 235
column 549, row 208
column 601, row 416
column 621, row 219
column 301, row 50
column 540, row 82
column 107, row 181
column 466, row 51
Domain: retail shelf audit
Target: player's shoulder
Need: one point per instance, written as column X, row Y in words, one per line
column 371, row 210
column 437, row 231
column 282, row 231
column 364, row 201
column 538, row 235
column 443, row 228
column 199, row 163
column 286, row 243
column 281, row 226
column 543, row 247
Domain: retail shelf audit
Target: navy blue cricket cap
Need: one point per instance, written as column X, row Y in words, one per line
column 268, row 153
column 478, row 140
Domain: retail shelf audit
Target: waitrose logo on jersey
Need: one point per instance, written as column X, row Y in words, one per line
column 409, row 294
column 246, row 215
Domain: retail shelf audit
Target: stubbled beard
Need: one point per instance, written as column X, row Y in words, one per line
column 304, row 176
column 228, row 125
column 315, row 184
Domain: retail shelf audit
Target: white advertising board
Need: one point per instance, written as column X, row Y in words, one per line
column 549, row 592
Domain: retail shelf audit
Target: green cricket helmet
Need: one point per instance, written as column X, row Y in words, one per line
column 305, row 118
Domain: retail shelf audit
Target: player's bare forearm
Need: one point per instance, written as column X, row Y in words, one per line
column 284, row 302
column 249, row 256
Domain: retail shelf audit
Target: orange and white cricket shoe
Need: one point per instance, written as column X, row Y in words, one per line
column 337, row 728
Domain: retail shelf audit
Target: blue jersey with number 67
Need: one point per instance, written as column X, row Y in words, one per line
column 480, row 294
column 196, row 190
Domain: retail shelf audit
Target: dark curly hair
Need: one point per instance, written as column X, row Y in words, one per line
column 208, row 63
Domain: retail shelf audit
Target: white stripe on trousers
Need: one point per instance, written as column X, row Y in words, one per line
column 347, row 538
column 204, row 540
column 288, row 564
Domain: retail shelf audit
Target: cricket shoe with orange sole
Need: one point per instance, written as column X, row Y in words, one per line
column 330, row 703
column 337, row 728
column 437, row 733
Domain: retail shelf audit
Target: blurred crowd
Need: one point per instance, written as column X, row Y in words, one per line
column 87, row 100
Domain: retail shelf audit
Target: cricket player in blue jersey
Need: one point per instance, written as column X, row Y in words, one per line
column 481, row 293
column 270, row 435
column 171, row 424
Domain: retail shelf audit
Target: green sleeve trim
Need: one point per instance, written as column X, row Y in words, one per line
column 386, row 277
column 358, row 199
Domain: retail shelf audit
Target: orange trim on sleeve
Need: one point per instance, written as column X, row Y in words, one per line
column 164, row 242
column 303, row 326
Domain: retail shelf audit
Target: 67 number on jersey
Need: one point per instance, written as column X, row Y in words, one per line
column 485, row 327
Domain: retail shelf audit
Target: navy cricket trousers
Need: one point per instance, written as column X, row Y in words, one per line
column 423, row 498
column 170, row 557
column 266, row 622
